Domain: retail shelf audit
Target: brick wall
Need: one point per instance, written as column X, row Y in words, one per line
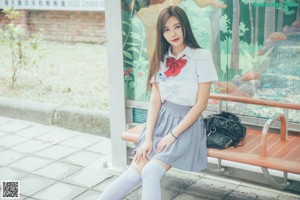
column 72, row 26
column 22, row 20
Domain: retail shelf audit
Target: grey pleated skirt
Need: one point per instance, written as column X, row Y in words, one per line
column 189, row 151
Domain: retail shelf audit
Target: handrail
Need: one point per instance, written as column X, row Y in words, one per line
column 263, row 144
column 255, row 101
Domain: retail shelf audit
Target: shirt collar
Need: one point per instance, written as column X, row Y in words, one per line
column 188, row 51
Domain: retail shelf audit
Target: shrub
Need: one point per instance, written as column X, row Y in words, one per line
column 25, row 51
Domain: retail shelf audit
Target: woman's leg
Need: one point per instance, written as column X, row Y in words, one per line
column 152, row 173
column 125, row 183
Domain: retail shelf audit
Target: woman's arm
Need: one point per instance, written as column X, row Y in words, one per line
column 196, row 110
column 189, row 119
column 153, row 110
column 154, row 107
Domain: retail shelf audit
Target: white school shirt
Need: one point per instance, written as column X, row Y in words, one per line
column 183, row 88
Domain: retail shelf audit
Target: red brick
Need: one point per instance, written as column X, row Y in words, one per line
column 63, row 25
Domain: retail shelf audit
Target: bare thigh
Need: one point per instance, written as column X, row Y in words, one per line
column 139, row 166
column 167, row 167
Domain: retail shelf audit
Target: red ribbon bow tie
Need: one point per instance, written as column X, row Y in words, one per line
column 175, row 66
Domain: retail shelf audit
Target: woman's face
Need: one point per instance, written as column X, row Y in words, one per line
column 173, row 33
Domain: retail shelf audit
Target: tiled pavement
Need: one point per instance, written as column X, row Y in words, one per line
column 55, row 163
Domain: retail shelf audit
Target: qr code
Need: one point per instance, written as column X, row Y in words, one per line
column 10, row 189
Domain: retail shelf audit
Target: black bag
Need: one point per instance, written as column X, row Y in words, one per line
column 224, row 130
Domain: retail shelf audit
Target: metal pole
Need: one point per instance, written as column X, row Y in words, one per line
column 113, row 22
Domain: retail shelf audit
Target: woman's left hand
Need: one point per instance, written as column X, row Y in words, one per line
column 165, row 143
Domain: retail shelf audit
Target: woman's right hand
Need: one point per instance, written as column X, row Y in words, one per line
column 144, row 151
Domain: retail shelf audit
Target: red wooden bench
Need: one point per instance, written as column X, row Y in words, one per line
column 261, row 148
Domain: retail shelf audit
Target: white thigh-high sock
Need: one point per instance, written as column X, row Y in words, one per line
column 122, row 185
column 151, row 176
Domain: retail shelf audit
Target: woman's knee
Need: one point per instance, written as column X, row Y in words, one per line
column 147, row 171
column 153, row 170
column 138, row 167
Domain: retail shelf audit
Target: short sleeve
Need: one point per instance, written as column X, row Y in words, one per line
column 205, row 68
column 153, row 79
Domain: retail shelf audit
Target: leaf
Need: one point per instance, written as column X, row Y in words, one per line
column 128, row 55
column 128, row 78
column 125, row 22
column 224, row 23
column 128, row 62
column 123, row 33
column 136, row 36
column 136, row 23
column 243, row 29
column 132, row 44
column 133, row 49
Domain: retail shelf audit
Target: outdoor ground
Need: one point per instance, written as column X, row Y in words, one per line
column 72, row 74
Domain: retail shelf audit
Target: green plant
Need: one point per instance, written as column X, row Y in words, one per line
column 25, row 52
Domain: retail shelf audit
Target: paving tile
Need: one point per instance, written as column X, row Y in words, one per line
column 211, row 188
column 102, row 162
column 185, row 174
column 14, row 126
column 82, row 158
column 10, row 174
column 186, row 196
column 136, row 193
column 10, row 140
column 4, row 120
column 22, row 197
column 255, row 192
column 166, row 194
column 56, row 152
column 87, row 178
column 103, row 146
column 59, row 191
column 57, row 135
column 103, row 185
column 8, row 156
column 31, row 184
column 239, row 196
column 178, row 183
column 30, row 163
column 88, row 195
column 81, row 141
column 3, row 133
column 34, row 131
column 57, row 170
column 223, row 179
column 31, row 146
column 285, row 196
column 294, row 187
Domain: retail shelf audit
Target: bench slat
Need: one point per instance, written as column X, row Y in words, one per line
column 256, row 160
column 255, row 101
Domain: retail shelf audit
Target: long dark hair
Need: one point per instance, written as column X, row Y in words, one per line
column 162, row 46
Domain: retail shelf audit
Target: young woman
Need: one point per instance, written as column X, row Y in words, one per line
column 180, row 76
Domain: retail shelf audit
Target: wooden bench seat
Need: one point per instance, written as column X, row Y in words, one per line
column 249, row 153
column 261, row 148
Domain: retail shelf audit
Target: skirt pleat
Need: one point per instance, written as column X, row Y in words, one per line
column 189, row 151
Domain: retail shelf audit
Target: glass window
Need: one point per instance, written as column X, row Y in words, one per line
column 255, row 48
